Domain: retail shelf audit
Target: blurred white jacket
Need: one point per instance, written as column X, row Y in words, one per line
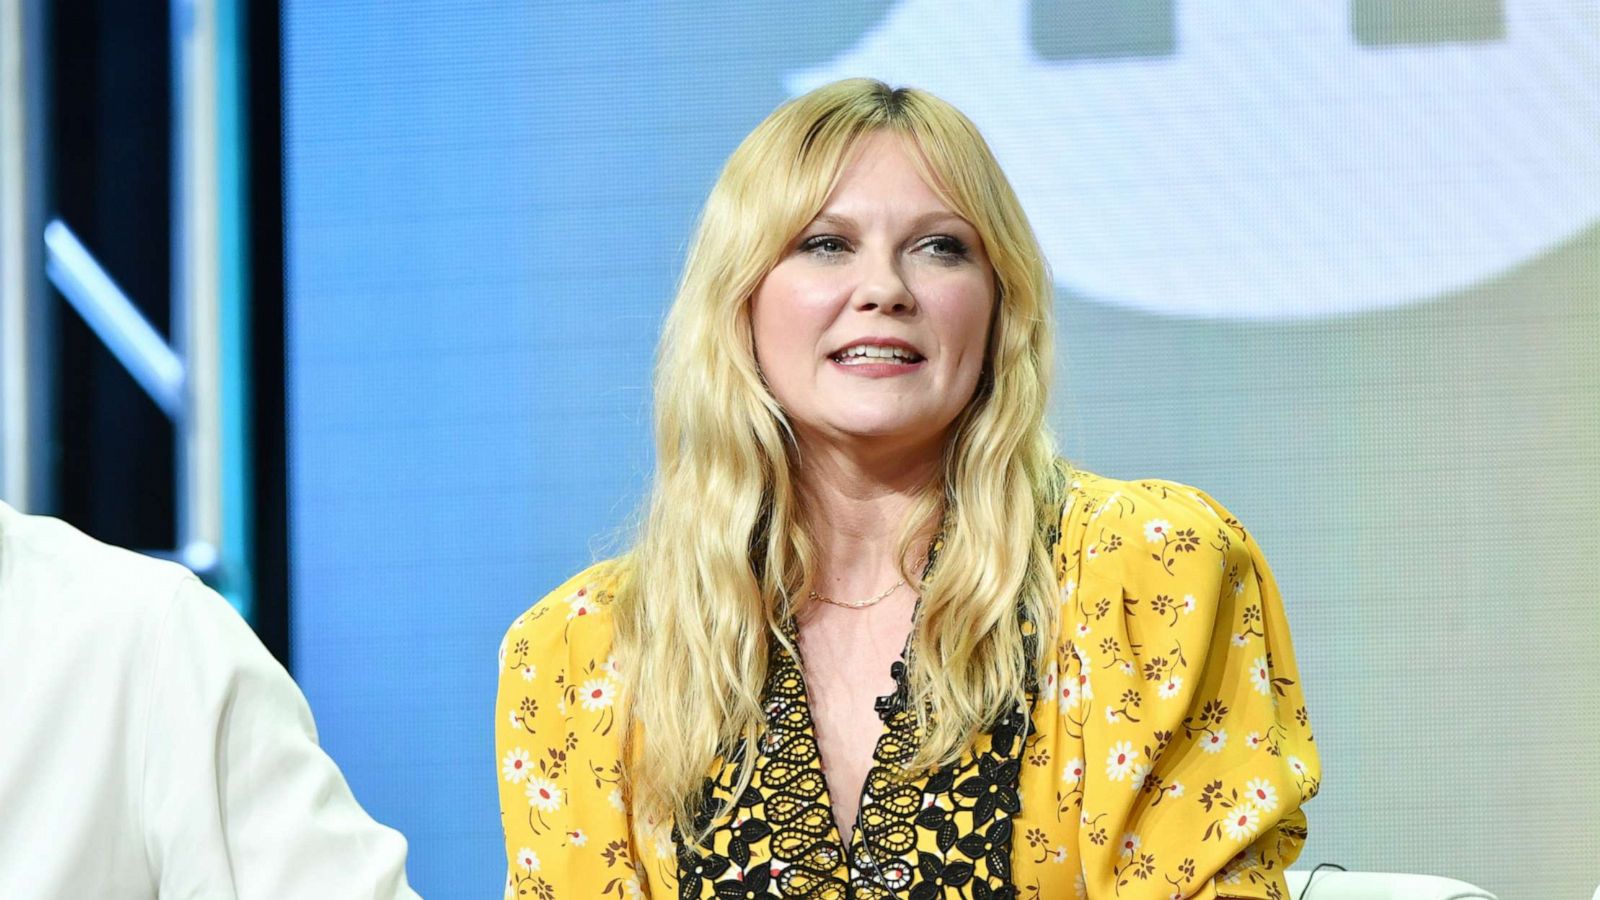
column 151, row 747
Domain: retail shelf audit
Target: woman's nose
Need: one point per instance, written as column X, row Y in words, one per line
column 883, row 287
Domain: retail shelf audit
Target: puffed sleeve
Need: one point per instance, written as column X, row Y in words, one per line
column 1197, row 750
column 559, row 749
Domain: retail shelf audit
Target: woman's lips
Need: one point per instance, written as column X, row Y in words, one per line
column 878, row 368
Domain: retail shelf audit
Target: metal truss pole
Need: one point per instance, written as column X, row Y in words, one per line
column 199, row 378
column 27, row 445
column 197, row 289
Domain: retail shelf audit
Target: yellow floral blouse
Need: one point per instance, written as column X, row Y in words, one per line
column 1166, row 753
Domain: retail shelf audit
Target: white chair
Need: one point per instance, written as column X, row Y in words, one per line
column 1332, row 884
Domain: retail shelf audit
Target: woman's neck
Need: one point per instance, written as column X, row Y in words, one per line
column 856, row 506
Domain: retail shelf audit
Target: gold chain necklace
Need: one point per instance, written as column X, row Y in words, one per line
column 860, row 604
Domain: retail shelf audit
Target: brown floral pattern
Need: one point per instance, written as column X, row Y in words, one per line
column 1167, row 753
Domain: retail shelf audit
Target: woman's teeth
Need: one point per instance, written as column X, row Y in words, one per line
column 863, row 354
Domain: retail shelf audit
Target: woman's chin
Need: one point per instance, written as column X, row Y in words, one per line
column 887, row 432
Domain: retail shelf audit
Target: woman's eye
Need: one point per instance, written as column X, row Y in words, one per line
column 824, row 245
column 947, row 246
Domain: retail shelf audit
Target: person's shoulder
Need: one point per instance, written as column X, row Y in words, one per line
column 1151, row 553
column 49, row 564
column 1181, row 504
column 576, row 615
column 1146, row 521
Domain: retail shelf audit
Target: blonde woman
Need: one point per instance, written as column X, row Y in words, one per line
column 874, row 639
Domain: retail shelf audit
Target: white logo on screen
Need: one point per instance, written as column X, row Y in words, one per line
column 1271, row 165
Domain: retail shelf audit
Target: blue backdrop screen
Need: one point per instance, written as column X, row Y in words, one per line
column 1333, row 262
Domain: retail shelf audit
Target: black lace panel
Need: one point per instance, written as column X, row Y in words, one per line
column 947, row 835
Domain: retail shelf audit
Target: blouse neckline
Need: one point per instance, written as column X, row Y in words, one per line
column 962, row 811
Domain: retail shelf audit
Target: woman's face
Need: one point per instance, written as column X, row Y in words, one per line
column 874, row 323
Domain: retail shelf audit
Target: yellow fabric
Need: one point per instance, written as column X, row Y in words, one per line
column 1170, row 751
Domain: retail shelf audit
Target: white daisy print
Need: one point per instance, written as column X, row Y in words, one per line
column 612, row 665
column 1072, row 772
column 1260, row 678
column 596, row 693
column 1157, row 530
column 1071, row 695
column 580, row 604
column 528, row 860
column 1298, row 766
column 1084, row 630
column 1214, row 741
column 515, row 766
column 1263, row 794
column 1188, row 603
column 1253, row 740
column 1119, row 762
column 1242, row 822
column 543, row 794
column 1239, row 640
column 615, row 799
column 528, row 671
column 1139, row 774
column 1059, row 854
column 1175, row 789
column 1130, row 844
column 1085, row 661
column 1068, row 588
column 578, row 838
column 1170, row 687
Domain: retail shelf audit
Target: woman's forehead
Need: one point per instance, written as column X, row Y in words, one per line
column 886, row 168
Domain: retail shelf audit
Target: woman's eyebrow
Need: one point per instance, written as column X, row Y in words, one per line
column 832, row 220
column 938, row 217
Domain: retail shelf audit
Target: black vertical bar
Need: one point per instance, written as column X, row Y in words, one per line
column 109, row 153
column 264, row 163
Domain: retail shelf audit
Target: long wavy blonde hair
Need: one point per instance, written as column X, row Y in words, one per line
column 723, row 547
